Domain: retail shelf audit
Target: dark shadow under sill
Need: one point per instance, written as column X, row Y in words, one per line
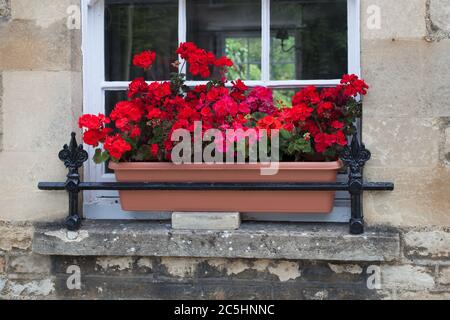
column 257, row 240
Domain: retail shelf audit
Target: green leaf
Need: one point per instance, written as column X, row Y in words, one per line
column 299, row 146
column 142, row 153
column 285, row 134
column 259, row 115
column 131, row 141
column 291, row 148
column 303, row 145
column 105, row 156
column 100, row 157
column 157, row 131
column 97, row 156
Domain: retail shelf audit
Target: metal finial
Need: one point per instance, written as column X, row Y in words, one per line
column 73, row 155
column 356, row 155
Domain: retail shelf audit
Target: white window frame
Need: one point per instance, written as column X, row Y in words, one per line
column 101, row 204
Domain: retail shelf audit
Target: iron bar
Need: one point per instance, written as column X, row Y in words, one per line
column 339, row 186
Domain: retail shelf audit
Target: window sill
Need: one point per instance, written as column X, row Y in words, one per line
column 259, row 240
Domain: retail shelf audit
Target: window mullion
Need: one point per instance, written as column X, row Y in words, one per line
column 182, row 28
column 353, row 22
column 101, row 37
column 265, row 41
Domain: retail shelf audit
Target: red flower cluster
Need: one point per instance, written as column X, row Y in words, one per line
column 144, row 60
column 140, row 129
column 353, row 85
column 200, row 60
column 116, row 146
column 97, row 131
column 327, row 115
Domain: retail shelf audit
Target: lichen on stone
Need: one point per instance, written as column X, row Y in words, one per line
column 437, row 20
column 5, row 10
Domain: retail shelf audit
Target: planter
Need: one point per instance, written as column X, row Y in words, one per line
column 229, row 200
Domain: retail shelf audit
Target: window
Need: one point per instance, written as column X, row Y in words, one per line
column 282, row 44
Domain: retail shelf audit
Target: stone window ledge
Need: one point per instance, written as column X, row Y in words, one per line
column 258, row 240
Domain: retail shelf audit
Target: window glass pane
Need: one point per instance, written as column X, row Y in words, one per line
column 246, row 54
column 228, row 27
column 308, row 39
column 283, row 63
column 132, row 26
column 111, row 99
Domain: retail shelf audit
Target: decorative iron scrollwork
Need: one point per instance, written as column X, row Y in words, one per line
column 355, row 157
column 73, row 156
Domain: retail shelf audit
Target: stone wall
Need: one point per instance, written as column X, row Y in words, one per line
column 420, row 271
column 41, row 98
column 406, row 126
column 407, row 112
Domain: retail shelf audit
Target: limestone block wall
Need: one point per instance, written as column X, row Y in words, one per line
column 40, row 100
column 406, row 61
column 421, row 270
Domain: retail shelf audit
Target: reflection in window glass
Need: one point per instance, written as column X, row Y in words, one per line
column 283, row 62
column 309, row 39
column 246, row 55
column 132, row 26
column 228, row 27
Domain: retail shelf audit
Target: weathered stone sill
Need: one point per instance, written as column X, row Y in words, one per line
column 258, row 240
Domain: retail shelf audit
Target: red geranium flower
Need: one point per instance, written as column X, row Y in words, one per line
column 128, row 110
column 96, row 132
column 116, row 146
column 239, row 85
column 200, row 60
column 154, row 150
column 300, row 112
column 137, row 86
column 269, row 122
column 135, row 132
column 90, row 121
column 324, row 106
column 353, row 85
column 337, row 124
column 144, row 59
column 341, row 139
column 223, row 62
column 94, row 137
column 154, row 114
column 306, row 95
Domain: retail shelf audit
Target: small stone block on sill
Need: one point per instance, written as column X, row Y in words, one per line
column 206, row 220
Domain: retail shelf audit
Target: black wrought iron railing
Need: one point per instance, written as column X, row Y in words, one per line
column 354, row 156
